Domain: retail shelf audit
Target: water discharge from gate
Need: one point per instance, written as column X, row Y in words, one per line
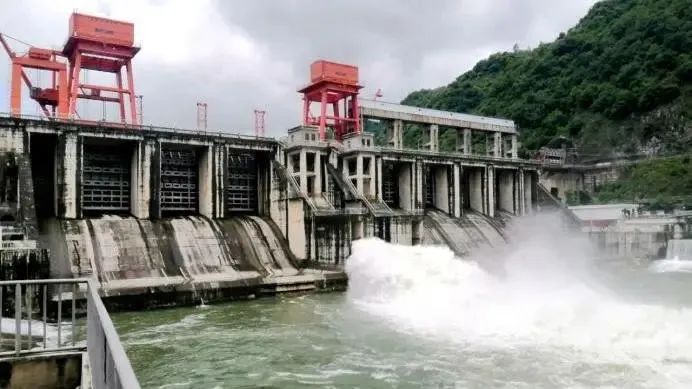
column 538, row 312
column 547, row 293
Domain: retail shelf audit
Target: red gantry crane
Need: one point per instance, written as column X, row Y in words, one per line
column 53, row 100
column 94, row 43
column 333, row 85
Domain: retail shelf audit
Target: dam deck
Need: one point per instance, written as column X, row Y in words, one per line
column 183, row 216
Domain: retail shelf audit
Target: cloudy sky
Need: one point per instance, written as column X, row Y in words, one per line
column 240, row 55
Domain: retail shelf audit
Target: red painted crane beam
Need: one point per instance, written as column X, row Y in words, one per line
column 42, row 59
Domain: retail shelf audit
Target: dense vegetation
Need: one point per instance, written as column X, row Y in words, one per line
column 662, row 183
column 618, row 82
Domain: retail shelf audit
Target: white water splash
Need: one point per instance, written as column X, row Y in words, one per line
column 545, row 298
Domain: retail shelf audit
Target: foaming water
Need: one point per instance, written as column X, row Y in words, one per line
column 540, row 312
column 547, row 295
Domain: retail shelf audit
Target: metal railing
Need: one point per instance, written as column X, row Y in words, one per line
column 110, row 367
column 50, row 299
column 130, row 126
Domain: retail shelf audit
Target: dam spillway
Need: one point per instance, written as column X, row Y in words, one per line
column 148, row 210
column 125, row 252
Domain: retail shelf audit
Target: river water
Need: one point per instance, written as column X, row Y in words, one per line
column 538, row 313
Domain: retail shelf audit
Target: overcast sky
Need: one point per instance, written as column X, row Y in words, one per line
column 242, row 55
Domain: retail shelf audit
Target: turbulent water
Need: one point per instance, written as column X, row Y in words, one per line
column 537, row 313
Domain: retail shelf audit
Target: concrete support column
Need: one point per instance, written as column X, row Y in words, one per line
column 528, row 192
column 497, row 144
column 374, row 166
column 456, row 178
column 206, row 182
column 490, row 185
column 468, row 143
column 333, row 158
column 318, row 174
column 441, row 189
column 303, row 172
column 407, row 187
column 68, row 176
column 220, row 165
column 357, row 228
column 419, row 196
column 434, row 137
column 378, row 178
column 476, row 190
column 140, row 181
column 289, row 164
column 416, row 232
column 521, row 199
column 396, row 139
column 515, row 147
column 359, row 174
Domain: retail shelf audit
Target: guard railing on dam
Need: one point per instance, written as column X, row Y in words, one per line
column 129, row 126
column 36, row 324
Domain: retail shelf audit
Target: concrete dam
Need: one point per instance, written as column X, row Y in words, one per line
column 168, row 213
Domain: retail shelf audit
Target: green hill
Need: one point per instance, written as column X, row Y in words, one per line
column 659, row 183
column 618, row 82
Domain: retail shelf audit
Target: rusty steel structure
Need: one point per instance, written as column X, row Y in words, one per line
column 94, row 43
column 332, row 85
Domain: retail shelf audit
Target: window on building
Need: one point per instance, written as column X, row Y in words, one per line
column 310, row 162
column 295, row 161
column 352, row 166
column 366, row 165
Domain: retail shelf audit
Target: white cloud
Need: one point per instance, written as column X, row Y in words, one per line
column 237, row 56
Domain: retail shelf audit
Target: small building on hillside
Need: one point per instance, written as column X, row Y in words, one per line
column 623, row 231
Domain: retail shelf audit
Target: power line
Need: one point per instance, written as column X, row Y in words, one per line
column 16, row 40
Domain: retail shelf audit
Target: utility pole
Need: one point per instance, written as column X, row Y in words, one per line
column 259, row 122
column 201, row 116
column 140, row 110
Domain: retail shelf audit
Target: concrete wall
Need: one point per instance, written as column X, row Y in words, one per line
column 636, row 238
column 564, row 181
column 62, row 371
column 401, row 230
column 12, row 139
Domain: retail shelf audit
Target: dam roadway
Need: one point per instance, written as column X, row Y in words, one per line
column 181, row 216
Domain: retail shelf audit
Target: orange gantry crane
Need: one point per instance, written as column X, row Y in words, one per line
column 94, row 43
column 333, row 86
column 53, row 100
